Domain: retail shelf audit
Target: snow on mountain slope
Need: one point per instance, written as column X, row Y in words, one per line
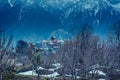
column 71, row 5
column 64, row 14
column 71, row 9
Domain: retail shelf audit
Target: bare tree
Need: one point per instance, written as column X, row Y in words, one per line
column 85, row 41
column 6, row 53
column 74, row 53
column 29, row 55
column 112, row 53
column 34, row 56
column 22, row 48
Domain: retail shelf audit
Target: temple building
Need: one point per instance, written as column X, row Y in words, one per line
column 50, row 46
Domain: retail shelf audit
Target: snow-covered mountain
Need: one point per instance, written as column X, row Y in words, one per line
column 54, row 14
column 71, row 8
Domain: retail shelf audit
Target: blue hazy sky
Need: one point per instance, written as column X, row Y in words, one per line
column 34, row 22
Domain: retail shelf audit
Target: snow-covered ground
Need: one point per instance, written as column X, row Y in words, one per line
column 54, row 74
column 101, row 79
column 71, row 76
column 28, row 73
column 41, row 68
column 51, row 75
column 57, row 65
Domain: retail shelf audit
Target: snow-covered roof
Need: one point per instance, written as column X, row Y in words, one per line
column 50, row 43
column 61, row 41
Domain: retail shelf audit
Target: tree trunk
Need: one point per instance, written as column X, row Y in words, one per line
column 38, row 78
column 86, row 75
column 75, row 74
column 0, row 73
column 63, row 73
column 63, row 76
column 107, row 74
column 0, row 76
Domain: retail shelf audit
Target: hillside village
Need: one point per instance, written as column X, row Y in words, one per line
column 59, row 39
column 81, row 58
column 50, row 46
column 61, row 58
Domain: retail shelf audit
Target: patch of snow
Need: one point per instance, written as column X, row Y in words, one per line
column 51, row 75
column 98, row 72
column 117, row 6
column 18, row 64
column 95, row 66
column 50, row 43
column 33, row 73
column 96, row 10
column 51, row 70
column 28, row 73
column 61, row 41
column 44, row 41
column 71, row 76
column 30, row 2
column 11, row 5
column 41, row 68
column 57, row 65
column 117, row 70
column 44, row 48
column 101, row 79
